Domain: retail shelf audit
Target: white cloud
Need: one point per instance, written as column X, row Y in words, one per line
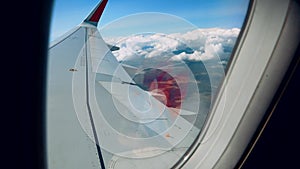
column 200, row 44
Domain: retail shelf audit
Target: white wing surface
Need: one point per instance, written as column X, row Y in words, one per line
column 97, row 114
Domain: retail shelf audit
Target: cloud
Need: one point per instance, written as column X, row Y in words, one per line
column 196, row 45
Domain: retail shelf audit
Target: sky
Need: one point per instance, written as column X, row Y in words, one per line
column 67, row 14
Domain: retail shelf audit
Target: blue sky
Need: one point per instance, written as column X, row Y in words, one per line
column 67, row 14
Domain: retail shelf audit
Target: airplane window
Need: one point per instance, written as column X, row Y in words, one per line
column 136, row 91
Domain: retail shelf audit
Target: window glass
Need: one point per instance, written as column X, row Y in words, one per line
column 143, row 102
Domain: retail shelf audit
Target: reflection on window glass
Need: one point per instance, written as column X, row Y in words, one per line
column 136, row 93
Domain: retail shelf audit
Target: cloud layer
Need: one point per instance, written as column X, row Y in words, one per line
column 197, row 45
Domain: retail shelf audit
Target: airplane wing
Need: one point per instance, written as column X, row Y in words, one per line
column 96, row 113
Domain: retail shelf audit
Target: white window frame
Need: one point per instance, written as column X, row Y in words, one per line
column 261, row 58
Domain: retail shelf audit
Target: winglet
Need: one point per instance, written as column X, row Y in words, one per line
column 95, row 15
